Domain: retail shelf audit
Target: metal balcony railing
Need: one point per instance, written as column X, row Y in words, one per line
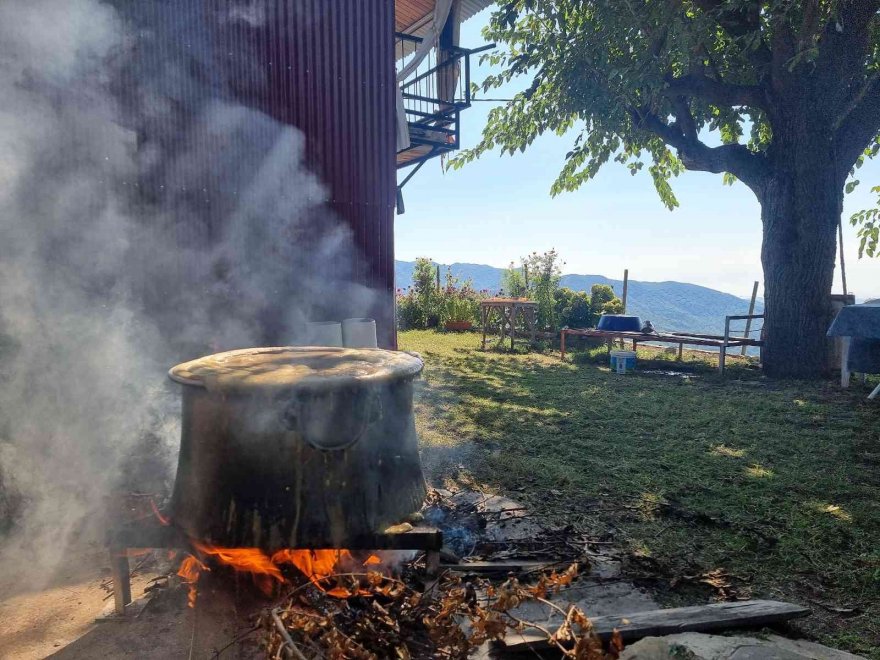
column 433, row 96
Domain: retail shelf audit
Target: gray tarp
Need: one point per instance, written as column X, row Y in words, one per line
column 857, row 321
column 862, row 323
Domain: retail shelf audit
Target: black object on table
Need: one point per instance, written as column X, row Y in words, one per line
column 619, row 323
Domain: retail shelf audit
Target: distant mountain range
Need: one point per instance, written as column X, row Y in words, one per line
column 670, row 306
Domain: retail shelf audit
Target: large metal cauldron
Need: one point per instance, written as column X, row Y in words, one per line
column 296, row 447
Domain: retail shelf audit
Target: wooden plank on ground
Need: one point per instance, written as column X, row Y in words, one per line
column 700, row 618
column 507, row 566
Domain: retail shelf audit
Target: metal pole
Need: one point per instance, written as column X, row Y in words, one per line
column 842, row 262
column 625, row 287
column 749, row 321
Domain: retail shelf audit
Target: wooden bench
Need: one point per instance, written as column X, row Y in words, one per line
column 722, row 342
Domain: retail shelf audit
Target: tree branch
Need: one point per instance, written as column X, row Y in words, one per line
column 716, row 92
column 809, row 24
column 739, row 22
column 859, row 124
column 684, row 118
column 869, row 88
column 748, row 167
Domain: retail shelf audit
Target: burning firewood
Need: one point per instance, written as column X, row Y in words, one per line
column 388, row 618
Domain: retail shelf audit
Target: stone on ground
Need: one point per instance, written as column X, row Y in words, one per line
column 699, row 646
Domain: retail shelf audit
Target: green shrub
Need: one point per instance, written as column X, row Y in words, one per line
column 573, row 309
column 425, row 306
column 409, row 313
column 459, row 306
column 543, row 274
column 538, row 280
column 460, row 302
column 420, row 307
column 513, row 282
column 603, row 301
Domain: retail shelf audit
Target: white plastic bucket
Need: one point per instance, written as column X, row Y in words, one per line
column 324, row 333
column 359, row 333
column 623, row 361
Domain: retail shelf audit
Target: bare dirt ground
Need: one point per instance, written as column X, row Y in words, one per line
column 57, row 620
column 39, row 618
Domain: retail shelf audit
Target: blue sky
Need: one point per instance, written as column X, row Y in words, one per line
column 499, row 208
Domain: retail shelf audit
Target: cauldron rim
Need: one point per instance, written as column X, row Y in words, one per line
column 382, row 366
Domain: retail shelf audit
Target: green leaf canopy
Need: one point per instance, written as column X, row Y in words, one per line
column 655, row 82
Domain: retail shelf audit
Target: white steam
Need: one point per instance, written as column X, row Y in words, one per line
column 146, row 216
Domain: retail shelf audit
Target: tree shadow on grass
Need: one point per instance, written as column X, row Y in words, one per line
column 773, row 481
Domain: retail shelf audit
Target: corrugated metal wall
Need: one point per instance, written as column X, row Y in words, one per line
column 323, row 66
column 334, row 79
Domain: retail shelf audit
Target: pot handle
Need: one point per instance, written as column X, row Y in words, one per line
column 336, row 420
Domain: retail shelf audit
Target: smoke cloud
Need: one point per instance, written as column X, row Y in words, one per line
column 148, row 215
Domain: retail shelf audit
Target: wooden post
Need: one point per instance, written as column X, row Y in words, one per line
column 625, row 288
column 722, row 355
column 844, row 361
column 562, row 344
column 749, row 321
column 484, row 317
column 119, row 571
column 512, row 325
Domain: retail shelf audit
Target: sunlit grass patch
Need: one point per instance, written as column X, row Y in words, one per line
column 700, row 474
column 759, row 471
column 730, row 452
column 649, row 505
column 833, row 510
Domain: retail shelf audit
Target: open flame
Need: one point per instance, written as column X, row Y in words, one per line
column 316, row 565
column 189, row 571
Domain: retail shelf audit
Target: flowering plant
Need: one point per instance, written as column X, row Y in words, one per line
column 460, row 305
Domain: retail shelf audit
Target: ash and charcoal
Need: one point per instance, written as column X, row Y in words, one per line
column 502, row 571
column 479, row 526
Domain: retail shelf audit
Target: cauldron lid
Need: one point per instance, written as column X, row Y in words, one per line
column 288, row 367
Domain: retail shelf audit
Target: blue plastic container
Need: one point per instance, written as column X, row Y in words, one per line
column 619, row 323
column 623, row 361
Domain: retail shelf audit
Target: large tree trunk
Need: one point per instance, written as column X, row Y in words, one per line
column 801, row 205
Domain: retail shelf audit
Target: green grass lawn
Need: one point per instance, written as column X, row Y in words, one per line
column 777, row 484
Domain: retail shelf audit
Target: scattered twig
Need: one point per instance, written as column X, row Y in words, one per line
column 279, row 624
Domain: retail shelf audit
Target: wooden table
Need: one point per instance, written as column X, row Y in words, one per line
column 507, row 309
column 680, row 338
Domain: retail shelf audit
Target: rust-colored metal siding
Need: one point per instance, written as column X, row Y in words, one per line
column 323, row 66
column 334, row 78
